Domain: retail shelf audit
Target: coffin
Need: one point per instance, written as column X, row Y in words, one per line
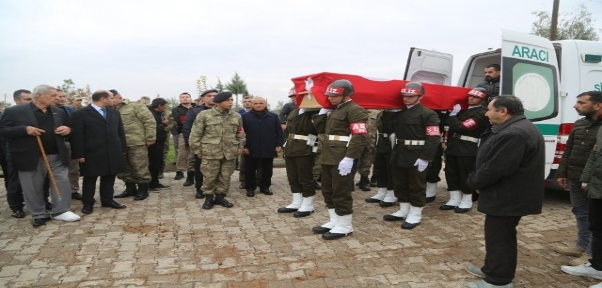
column 371, row 93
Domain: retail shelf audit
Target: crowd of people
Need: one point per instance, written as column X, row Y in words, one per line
column 493, row 154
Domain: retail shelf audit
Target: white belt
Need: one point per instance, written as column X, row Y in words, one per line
column 297, row 136
column 339, row 138
column 410, row 142
column 384, row 134
column 466, row 138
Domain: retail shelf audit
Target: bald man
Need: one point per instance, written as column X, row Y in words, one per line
column 264, row 141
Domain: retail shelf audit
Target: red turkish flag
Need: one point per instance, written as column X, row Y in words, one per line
column 380, row 94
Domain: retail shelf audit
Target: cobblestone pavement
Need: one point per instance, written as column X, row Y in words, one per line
column 169, row 241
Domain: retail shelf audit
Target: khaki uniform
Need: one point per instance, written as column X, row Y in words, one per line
column 298, row 155
column 367, row 158
column 463, row 138
column 218, row 136
column 417, row 137
column 167, row 116
column 337, row 127
column 139, row 126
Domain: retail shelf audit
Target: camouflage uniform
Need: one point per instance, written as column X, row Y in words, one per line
column 139, row 126
column 218, row 136
column 166, row 116
column 367, row 158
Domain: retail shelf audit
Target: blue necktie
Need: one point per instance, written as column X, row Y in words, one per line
column 104, row 112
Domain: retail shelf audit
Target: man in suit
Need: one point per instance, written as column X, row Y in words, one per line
column 24, row 125
column 98, row 144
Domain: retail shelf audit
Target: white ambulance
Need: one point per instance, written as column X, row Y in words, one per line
column 546, row 75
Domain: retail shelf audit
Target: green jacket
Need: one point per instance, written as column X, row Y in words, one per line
column 217, row 134
column 413, row 142
column 592, row 172
column 299, row 125
column 138, row 123
column 578, row 148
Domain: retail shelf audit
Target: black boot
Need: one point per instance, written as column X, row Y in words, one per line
column 364, row 183
column 208, row 202
column 179, row 175
column 142, row 192
column 130, row 190
column 199, row 193
column 221, row 200
column 373, row 181
column 189, row 179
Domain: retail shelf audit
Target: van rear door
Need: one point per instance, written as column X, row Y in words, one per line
column 530, row 72
column 429, row 66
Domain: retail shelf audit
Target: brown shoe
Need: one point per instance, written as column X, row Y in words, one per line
column 570, row 251
column 581, row 260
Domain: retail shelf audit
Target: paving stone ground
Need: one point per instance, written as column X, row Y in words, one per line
column 169, row 241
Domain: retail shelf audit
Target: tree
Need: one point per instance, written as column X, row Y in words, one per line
column 71, row 91
column 219, row 86
column 201, row 84
column 237, row 86
column 571, row 26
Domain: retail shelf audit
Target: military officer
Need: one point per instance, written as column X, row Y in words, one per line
column 140, row 132
column 465, row 128
column 299, row 159
column 346, row 135
column 367, row 159
column 416, row 138
column 384, row 180
column 217, row 138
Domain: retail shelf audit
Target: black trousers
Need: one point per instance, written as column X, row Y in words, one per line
column 382, row 171
column 155, row 161
column 106, row 189
column 500, row 248
column 457, row 169
column 432, row 172
column 251, row 166
column 409, row 185
column 198, row 175
column 595, row 225
column 337, row 189
column 299, row 174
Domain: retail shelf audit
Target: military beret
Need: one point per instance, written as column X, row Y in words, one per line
column 221, row 97
column 208, row 91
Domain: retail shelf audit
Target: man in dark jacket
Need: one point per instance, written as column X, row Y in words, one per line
column 509, row 178
column 155, row 150
column 492, row 81
column 22, row 124
column 98, row 144
column 264, row 141
column 578, row 148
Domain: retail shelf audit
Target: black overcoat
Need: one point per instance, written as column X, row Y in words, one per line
column 100, row 141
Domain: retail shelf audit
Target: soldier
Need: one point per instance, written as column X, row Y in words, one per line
column 416, row 138
column 299, row 159
column 205, row 103
column 217, row 137
column 435, row 166
column 140, row 132
column 168, row 127
column 144, row 100
column 465, row 128
column 346, row 135
column 384, row 180
column 76, row 102
column 367, row 158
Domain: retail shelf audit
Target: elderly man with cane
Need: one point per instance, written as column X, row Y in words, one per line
column 23, row 124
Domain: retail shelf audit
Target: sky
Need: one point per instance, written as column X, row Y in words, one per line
column 162, row 47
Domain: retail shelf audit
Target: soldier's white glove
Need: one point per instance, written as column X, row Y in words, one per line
column 393, row 139
column 455, row 111
column 345, row 166
column 422, row 164
column 301, row 111
column 324, row 111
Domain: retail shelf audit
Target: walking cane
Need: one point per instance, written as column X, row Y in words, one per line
column 50, row 174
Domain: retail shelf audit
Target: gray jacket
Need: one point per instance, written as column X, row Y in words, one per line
column 592, row 173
